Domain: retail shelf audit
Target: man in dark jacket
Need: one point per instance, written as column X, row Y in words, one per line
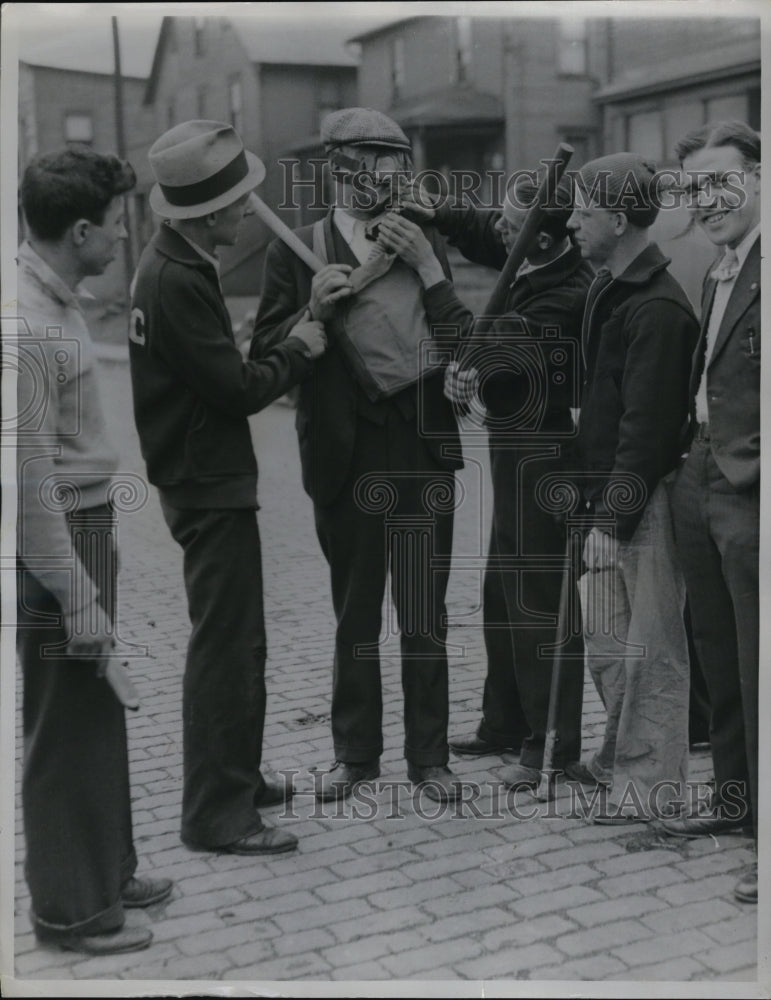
column 525, row 372
column 193, row 393
column 378, row 447
column 716, row 498
column 638, row 336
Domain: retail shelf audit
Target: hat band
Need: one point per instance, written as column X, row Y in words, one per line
column 207, row 190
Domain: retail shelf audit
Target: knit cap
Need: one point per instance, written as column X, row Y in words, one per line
column 621, row 182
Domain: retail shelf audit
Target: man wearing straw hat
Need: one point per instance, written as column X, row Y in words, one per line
column 192, row 396
column 378, row 446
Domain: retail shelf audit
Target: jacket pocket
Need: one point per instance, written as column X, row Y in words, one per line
column 751, row 343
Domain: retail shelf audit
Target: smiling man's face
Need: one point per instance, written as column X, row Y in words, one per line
column 724, row 193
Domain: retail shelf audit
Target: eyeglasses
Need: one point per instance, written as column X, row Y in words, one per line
column 370, row 165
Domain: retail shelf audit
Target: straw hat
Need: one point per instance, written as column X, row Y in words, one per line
column 200, row 167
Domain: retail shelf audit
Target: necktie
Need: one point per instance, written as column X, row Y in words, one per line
column 728, row 267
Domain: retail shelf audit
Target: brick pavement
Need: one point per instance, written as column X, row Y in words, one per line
column 380, row 891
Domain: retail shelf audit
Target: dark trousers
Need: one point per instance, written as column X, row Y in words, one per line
column 223, row 693
column 75, row 781
column 393, row 512
column 698, row 698
column 717, row 535
column 521, row 606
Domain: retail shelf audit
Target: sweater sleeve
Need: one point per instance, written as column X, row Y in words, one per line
column 472, row 231
column 44, row 543
column 198, row 348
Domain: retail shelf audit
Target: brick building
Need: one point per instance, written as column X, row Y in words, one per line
column 664, row 77
column 273, row 86
column 60, row 106
column 484, row 93
column 479, row 94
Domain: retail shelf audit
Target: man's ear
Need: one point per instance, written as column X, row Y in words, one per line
column 622, row 223
column 79, row 232
column 544, row 241
column 211, row 219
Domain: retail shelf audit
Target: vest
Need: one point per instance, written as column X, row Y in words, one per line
column 382, row 329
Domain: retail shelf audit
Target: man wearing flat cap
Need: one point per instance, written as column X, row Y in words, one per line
column 378, row 447
column 193, row 393
column 638, row 336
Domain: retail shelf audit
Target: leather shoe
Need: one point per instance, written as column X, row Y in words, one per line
column 578, row 771
column 110, row 943
column 141, row 892
column 518, row 776
column 273, row 792
column 700, row 826
column 746, row 890
column 475, row 746
column 268, row 840
column 441, row 784
column 339, row 781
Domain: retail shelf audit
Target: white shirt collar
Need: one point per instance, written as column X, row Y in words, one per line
column 746, row 244
column 527, row 268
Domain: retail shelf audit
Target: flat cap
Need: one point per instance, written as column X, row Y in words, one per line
column 362, row 127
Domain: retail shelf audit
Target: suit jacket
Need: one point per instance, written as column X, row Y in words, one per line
column 331, row 401
column 733, row 376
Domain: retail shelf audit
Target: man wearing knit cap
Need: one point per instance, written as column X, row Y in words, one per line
column 378, row 447
column 530, row 426
column 193, row 393
column 638, row 337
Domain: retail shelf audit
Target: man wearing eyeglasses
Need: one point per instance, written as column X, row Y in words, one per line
column 378, row 446
column 716, row 500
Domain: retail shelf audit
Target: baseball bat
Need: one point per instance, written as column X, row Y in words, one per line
column 497, row 302
column 284, row 233
column 545, row 790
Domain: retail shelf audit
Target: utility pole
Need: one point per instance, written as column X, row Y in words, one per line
column 120, row 135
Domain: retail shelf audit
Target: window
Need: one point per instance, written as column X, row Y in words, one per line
column 753, row 113
column 200, row 27
column 397, row 67
column 572, row 45
column 202, row 102
column 463, row 49
column 78, row 128
column 727, row 108
column 236, row 99
column 329, row 99
column 645, row 134
column 682, row 117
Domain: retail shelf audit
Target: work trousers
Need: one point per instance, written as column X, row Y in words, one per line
column 223, row 693
column 75, row 779
column 394, row 512
column 521, row 606
column 717, row 531
column 637, row 653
